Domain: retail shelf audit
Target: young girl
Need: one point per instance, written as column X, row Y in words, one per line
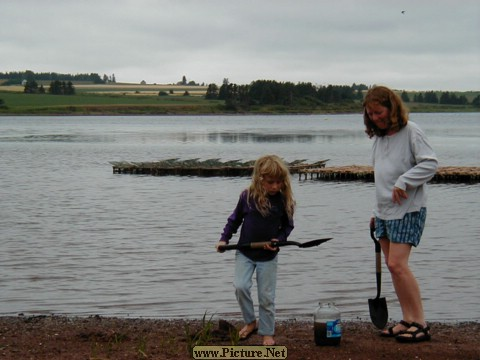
column 266, row 210
column 403, row 163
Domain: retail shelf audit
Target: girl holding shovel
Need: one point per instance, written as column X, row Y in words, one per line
column 266, row 211
column 403, row 163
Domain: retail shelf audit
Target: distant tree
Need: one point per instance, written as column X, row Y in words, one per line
column 431, row 97
column 162, row 93
column 335, row 93
column 360, row 87
column 68, row 89
column 418, row 98
column 463, row 100
column 223, row 91
column 2, row 104
column 303, row 89
column 476, row 101
column 445, row 98
column 405, row 97
column 184, row 80
column 186, row 93
column 58, row 87
column 212, row 92
column 31, row 87
column 237, row 98
column 95, row 78
column 55, row 88
column 29, row 75
column 41, row 90
column 359, row 94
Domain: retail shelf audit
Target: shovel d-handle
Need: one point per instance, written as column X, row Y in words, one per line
column 378, row 261
column 378, row 248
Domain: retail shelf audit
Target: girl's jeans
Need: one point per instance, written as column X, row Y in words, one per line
column 266, row 283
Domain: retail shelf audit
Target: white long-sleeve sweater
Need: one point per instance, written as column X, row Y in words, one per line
column 407, row 161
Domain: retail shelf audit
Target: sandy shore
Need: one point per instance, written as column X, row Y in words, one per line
column 94, row 338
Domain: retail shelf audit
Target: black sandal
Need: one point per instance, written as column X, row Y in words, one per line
column 422, row 333
column 390, row 332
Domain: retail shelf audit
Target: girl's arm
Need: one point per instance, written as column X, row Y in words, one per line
column 286, row 228
column 234, row 220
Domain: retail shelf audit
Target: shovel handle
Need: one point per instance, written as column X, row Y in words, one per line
column 378, row 261
column 255, row 245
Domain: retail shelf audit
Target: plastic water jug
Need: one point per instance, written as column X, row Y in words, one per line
column 327, row 326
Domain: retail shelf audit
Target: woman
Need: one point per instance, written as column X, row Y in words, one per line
column 403, row 163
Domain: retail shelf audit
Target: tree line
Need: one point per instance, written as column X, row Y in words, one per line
column 446, row 98
column 240, row 97
column 57, row 87
column 19, row 77
column 271, row 92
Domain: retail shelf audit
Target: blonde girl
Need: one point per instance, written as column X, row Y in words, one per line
column 265, row 213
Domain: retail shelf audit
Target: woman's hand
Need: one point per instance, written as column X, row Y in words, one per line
column 398, row 195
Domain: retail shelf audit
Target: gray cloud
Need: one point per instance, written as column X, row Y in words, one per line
column 434, row 45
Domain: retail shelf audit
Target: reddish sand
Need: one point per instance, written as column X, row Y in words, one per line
column 95, row 338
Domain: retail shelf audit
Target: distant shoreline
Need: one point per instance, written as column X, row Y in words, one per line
column 208, row 111
column 137, row 100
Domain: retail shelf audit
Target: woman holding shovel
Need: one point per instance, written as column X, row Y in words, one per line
column 266, row 211
column 403, row 163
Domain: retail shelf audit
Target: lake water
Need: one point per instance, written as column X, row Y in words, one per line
column 77, row 239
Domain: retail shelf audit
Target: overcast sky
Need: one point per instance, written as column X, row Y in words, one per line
column 433, row 45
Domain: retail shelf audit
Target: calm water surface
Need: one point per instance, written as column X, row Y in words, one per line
column 79, row 240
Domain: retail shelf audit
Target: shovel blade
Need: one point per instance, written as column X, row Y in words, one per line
column 378, row 312
column 313, row 243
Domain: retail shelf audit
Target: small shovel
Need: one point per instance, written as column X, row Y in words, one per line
column 378, row 306
column 260, row 245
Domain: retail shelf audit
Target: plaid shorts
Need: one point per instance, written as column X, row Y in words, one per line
column 403, row 231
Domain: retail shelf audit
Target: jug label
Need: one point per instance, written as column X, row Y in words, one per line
column 334, row 329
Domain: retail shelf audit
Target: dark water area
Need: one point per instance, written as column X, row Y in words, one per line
column 80, row 240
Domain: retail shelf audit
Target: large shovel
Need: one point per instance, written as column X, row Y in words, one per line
column 378, row 306
column 260, row 245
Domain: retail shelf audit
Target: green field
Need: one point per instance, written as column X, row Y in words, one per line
column 110, row 100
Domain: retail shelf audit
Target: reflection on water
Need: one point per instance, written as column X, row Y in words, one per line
column 77, row 239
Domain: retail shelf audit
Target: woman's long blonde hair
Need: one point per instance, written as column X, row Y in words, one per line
column 385, row 97
column 275, row 167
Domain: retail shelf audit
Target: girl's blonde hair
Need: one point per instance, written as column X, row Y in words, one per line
column 385, row 97
column 271, row 166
